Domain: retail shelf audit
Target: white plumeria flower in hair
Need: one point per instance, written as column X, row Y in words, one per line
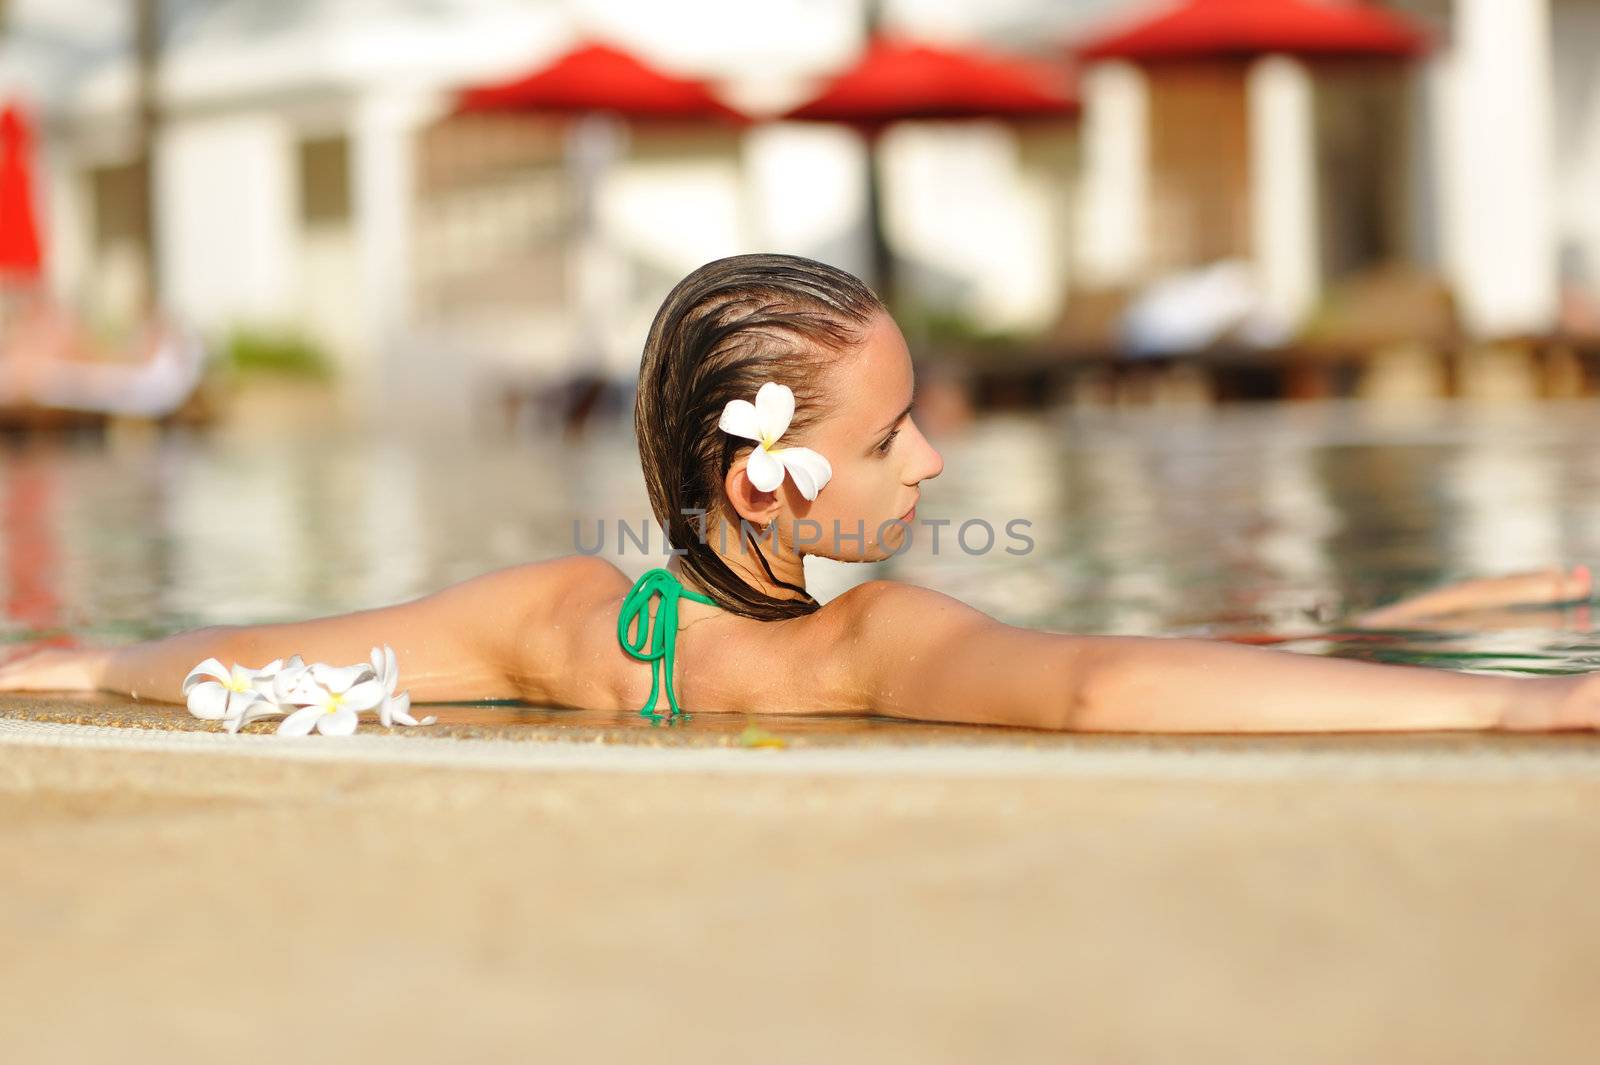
column 330, row 698
column 217, row 693
column 393, row 709
column 764, row 421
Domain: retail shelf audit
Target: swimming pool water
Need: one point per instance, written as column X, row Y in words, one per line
column 1272, row 519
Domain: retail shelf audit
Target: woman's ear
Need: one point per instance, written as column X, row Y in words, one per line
column 748, row 501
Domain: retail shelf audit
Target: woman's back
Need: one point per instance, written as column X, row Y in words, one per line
column 722, row 662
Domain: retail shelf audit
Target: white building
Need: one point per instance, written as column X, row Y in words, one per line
column 304, row 178
column 1494, row 181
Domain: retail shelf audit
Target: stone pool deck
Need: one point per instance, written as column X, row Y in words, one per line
column 536, row 885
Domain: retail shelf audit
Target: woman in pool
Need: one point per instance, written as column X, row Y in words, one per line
column 732, row 347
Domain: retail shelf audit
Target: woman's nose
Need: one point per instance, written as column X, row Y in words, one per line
column 931, row 464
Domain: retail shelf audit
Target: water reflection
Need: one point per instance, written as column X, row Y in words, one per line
column 1260, row 520
column 27, row 518
column 1506, row 493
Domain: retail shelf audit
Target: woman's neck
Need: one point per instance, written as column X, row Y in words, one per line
column 739, row 554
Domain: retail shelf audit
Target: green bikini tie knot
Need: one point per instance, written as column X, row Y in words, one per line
column 663, row 638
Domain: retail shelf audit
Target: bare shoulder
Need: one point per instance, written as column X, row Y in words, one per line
column 560, row 645
column 883, row 606
column 917, row 653
column 585, row 577
column 864, row 634
column 561, row 596
column 558, row 583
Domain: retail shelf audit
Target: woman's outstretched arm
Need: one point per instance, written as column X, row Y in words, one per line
column 915, row 653
column 478, row 639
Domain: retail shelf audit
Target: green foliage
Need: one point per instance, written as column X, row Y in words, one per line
column 280, row 353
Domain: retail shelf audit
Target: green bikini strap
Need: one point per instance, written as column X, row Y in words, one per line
column 635, row 615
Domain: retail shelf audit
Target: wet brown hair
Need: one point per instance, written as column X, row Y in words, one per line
column 720, row 334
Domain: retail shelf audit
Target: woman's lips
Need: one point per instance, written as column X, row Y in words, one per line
column 910, row 514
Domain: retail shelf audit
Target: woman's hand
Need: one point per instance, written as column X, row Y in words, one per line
column 55, row 669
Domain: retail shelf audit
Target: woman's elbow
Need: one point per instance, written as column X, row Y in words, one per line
column 1096, row 686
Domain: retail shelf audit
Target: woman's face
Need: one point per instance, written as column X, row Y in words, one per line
column 877, row 453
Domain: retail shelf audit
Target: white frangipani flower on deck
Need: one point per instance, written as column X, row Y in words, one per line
column 316, row 698
column 273, row 682
column 267, row 678
column 216, row 693
column 330, row 698
column 764, row 421
column 256, row 711
column 393, row 709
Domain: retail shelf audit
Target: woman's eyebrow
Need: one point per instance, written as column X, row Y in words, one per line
column 897, row 418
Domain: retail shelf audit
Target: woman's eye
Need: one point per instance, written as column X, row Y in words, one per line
column 883, row 448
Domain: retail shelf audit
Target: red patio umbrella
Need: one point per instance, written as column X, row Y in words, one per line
column 598, row 86
column 1225, row 29
column 599, row 78
column 20, row 253
column 900, row 80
